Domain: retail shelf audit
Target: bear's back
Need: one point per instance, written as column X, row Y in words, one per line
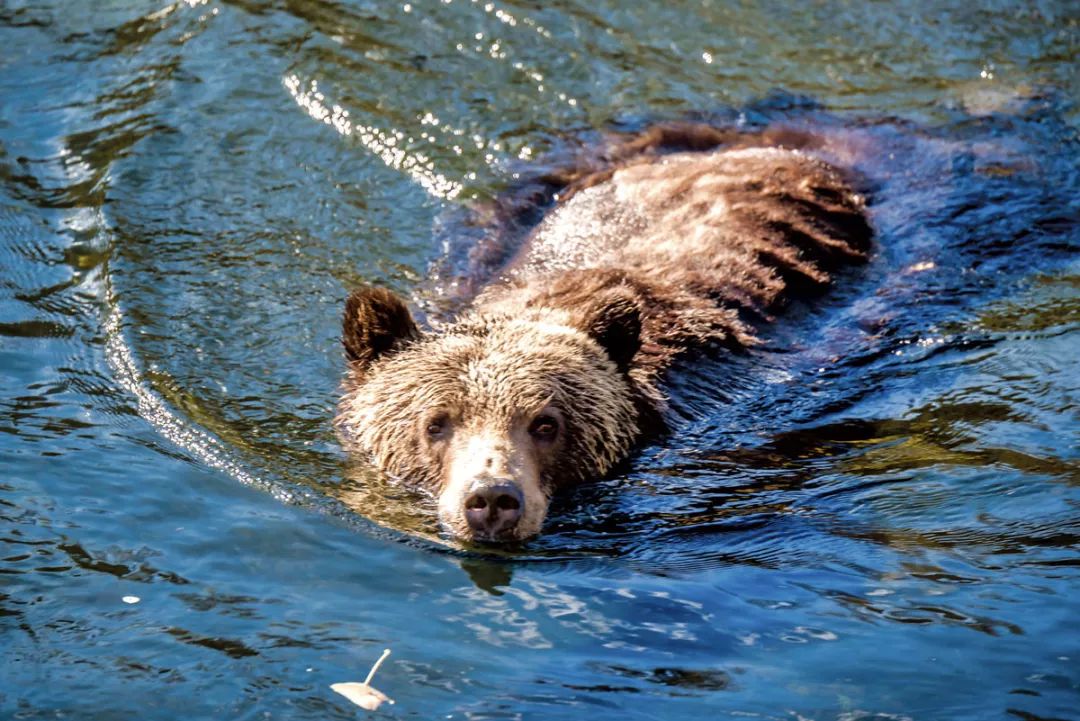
column 746, row 222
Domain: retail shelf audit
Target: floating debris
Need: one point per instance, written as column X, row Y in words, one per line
column 364, row 694
column 130, row 599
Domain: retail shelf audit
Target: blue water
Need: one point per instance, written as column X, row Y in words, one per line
column 874, row 516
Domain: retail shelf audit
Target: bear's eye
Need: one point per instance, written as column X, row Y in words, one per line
column 436, row 428
column 544, row 428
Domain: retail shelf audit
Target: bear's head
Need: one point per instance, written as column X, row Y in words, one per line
column 496, row 412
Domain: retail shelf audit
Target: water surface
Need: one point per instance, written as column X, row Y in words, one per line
column 874, row 516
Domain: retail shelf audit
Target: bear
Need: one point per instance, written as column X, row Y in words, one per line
column 681, row 237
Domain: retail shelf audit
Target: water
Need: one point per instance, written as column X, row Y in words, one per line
column 872, row 517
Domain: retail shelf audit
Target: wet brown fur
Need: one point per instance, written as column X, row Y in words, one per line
column 792, row 225
column 668, row 240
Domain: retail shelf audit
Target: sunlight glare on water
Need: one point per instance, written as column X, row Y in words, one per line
column 383, row 145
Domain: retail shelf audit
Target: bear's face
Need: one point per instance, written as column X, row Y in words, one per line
column 495, row 413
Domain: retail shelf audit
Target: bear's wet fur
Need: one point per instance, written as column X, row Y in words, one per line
column 676, row 238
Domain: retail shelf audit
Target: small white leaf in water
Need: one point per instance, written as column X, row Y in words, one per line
column 130, row 599
column 364, row 694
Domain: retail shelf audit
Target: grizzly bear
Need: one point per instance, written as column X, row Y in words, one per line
column 681, row 237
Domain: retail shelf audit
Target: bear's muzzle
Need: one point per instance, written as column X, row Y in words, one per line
column 493, row 508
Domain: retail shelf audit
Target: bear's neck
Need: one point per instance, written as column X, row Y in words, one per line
column 675, row 315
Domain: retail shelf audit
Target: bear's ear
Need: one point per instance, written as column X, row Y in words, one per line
column 614, row 321
column 376, row 322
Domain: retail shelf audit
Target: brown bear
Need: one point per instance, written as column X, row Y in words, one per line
column 677, row 238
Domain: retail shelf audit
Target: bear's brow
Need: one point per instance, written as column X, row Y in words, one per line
column 533, row 410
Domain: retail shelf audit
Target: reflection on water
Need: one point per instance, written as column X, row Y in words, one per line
column 873, row 516
column 381, row 144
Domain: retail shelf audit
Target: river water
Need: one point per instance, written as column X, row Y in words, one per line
column 873, row 516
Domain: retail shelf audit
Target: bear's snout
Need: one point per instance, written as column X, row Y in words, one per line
column 493, row 508
column 492, row 492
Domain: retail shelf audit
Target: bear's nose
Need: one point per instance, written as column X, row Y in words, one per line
column 492, row 509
